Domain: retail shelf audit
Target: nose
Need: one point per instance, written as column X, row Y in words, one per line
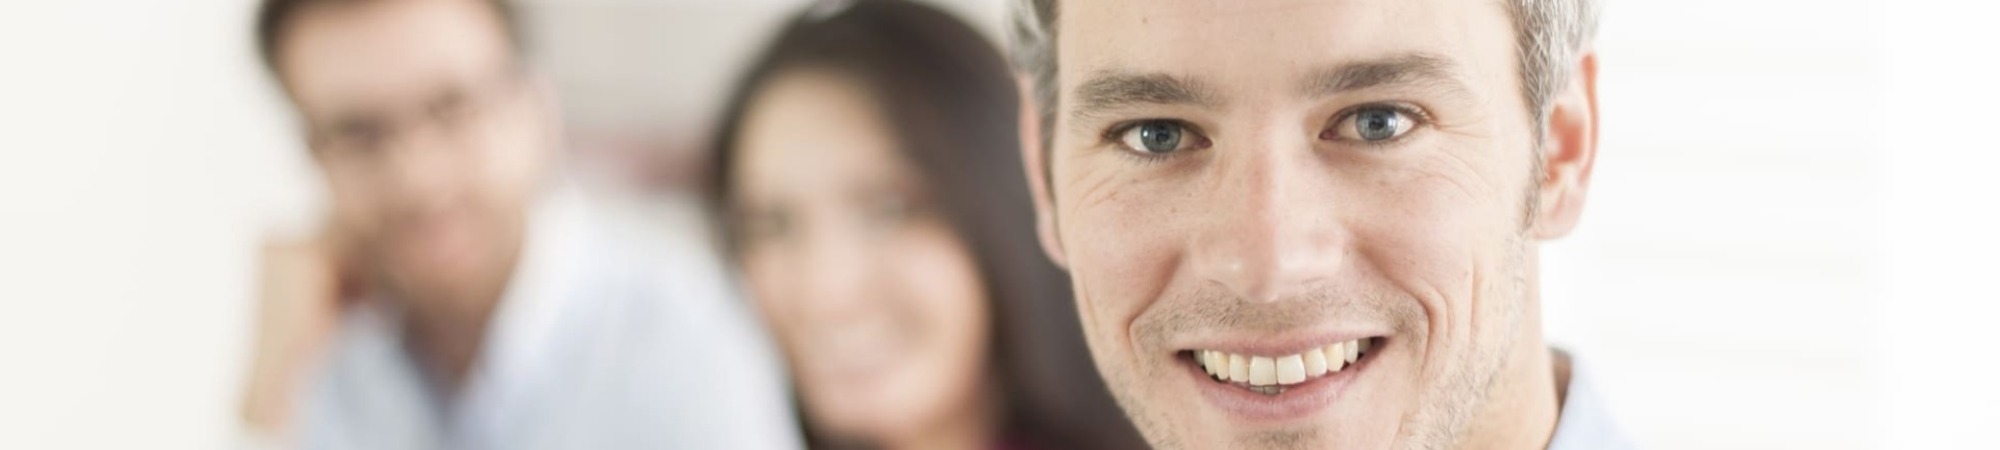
column 1274, row 226
column 422, row 171
column 835, row 267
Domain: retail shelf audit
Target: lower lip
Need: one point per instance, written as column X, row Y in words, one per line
column 1296, row 402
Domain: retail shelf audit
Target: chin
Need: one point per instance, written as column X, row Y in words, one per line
column 888, row 404
column 853, row 420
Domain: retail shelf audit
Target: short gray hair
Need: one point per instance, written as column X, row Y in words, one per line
column 1549, row 36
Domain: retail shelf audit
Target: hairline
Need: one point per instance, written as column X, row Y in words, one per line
column 276, row 19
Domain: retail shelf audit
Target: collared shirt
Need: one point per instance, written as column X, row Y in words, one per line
column 600, row 342
column 1584, row 423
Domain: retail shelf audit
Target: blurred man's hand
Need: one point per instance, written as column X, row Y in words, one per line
column 299, row 304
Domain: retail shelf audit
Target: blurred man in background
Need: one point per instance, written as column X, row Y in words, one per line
column 460, row 296
column 1316, row 224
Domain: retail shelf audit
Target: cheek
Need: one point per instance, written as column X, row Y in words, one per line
column 942, row 281
column 1123, row 251
column 1441, row 228
column 1416, row 230
column 1419, row 245
column 510, row 158
column 772, row 289
column 353, row 205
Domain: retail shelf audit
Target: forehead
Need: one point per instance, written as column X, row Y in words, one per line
column 343, row 53
column 806, row 132
column 1259, row 43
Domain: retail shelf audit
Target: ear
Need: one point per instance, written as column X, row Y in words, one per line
column 1570, row 151
column 1034, row 161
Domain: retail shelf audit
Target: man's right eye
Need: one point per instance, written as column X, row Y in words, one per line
column 1158, row 137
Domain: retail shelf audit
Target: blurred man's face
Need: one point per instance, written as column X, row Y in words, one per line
column 431, row 138
column 1252, row 189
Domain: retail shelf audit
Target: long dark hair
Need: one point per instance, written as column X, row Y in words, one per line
column 951, row 101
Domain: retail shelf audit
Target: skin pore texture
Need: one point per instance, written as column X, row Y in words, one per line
column 1266, row 179
column 875, row 298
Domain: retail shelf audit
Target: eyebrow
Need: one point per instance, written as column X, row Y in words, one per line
column 1112, row 90
column 1420, row 69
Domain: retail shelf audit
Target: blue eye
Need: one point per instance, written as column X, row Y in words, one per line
column 1376, row 124
column 1156, row 137
column 1373, row 124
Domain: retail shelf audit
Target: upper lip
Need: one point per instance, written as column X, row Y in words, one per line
column 1276, row 344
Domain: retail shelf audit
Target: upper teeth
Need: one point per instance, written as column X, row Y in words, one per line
column 1282, row 370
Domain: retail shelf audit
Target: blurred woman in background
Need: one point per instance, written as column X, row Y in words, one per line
column 868, row 180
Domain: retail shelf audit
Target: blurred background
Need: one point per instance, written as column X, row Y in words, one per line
column 1787, row 244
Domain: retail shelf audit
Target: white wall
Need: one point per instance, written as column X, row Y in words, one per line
column 1937, row 313
column 140, row 153
column 1785, row 247
column 1724, row 267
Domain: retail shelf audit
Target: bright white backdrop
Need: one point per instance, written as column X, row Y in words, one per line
column 1787, row 244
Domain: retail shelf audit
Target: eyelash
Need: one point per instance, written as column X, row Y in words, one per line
column 1115, row 137
column 1416, row 113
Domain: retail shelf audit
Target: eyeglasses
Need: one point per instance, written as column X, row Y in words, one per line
column 367, row 138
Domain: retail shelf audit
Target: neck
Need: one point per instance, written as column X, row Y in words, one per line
column 444, row 328
column 446, row 345
column 973, row 427
column 446, row 314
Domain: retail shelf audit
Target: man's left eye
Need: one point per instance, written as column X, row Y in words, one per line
column 1372, row 124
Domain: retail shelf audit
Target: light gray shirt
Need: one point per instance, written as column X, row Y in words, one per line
column 602, row 341
column 1585, row 423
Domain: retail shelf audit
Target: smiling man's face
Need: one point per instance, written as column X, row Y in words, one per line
column 1246, row 192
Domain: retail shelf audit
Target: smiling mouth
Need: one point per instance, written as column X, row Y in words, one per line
column 1272, row 375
